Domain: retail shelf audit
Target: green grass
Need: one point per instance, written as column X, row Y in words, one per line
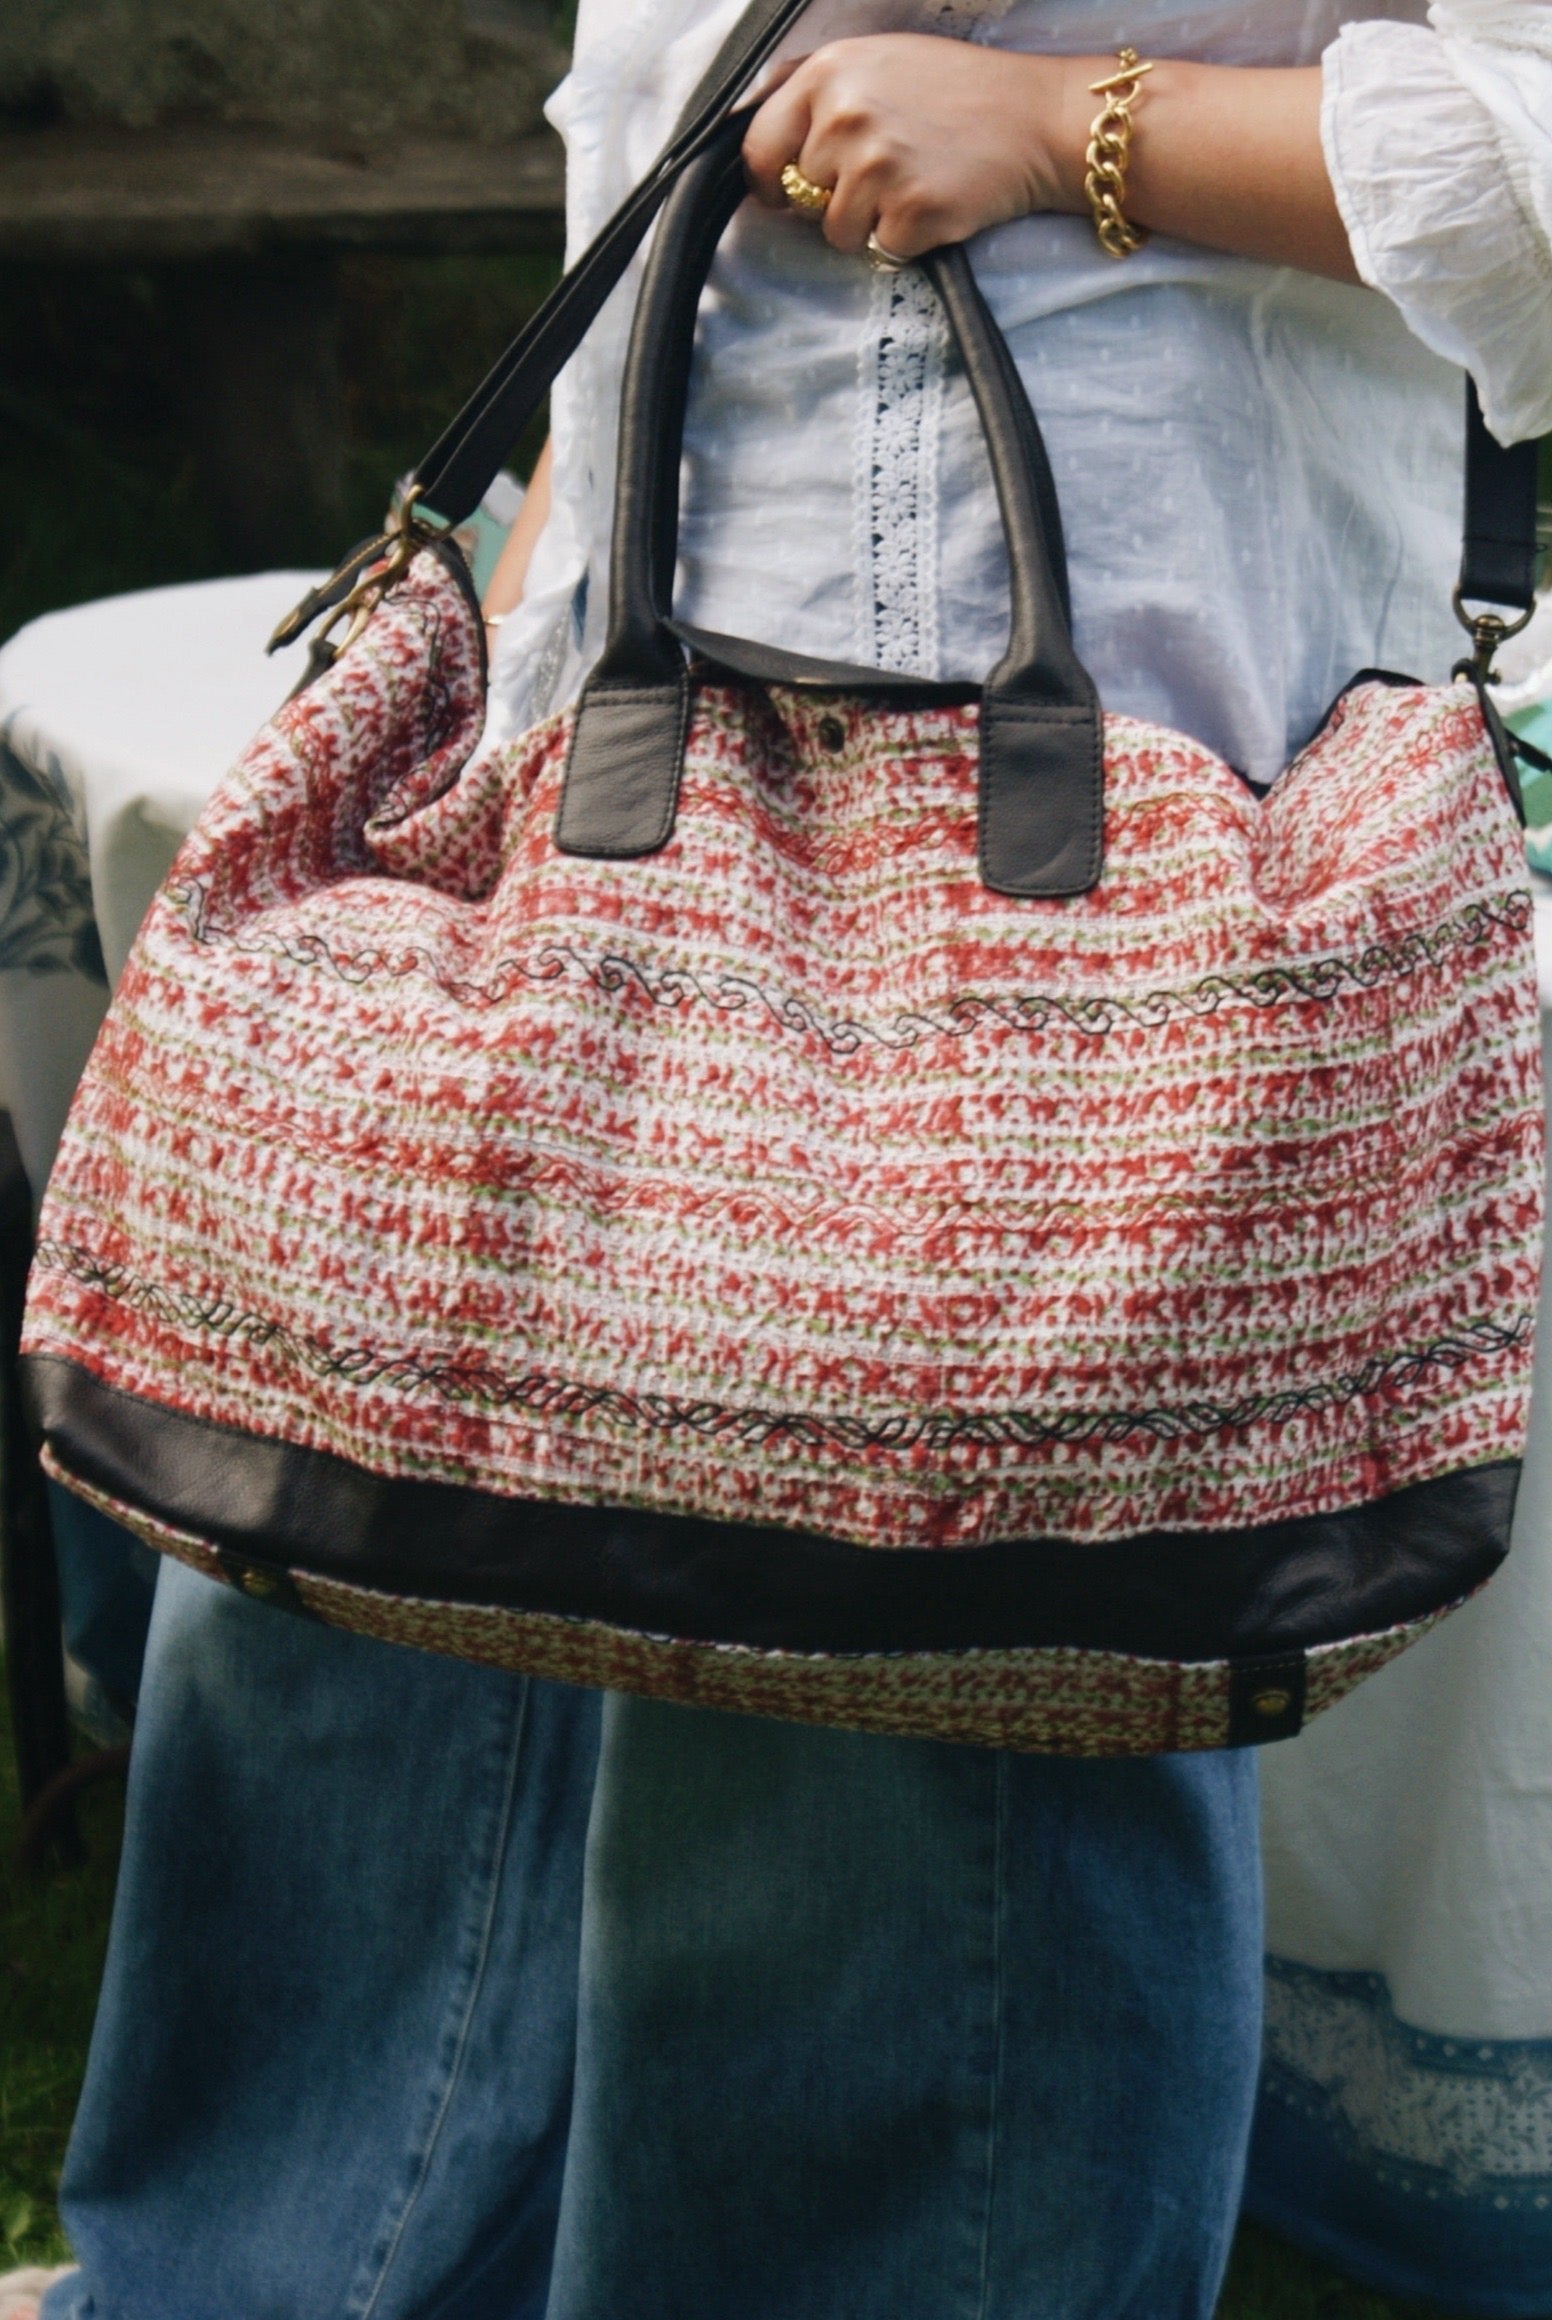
column 53, row 1932
column 1268, row 2280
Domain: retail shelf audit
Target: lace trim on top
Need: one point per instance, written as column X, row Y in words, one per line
column 901, row 383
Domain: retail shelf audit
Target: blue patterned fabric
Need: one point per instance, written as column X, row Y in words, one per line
column 47, row 923
column 1419, row 2164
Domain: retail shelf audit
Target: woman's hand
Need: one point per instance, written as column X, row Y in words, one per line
column 927, row 140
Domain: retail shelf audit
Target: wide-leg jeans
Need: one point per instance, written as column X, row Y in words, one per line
column 439, row 1994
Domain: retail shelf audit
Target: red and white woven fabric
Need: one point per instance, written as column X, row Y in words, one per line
column 793, row 1177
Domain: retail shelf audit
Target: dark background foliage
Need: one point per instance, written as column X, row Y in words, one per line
column 97, row 484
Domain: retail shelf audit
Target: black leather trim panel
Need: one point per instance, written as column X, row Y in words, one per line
column 1277, row 1589
column 621, row 789
column 772, row 664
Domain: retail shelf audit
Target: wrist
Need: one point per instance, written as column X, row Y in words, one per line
column 1073, row 107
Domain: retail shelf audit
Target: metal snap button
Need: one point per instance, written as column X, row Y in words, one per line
column 256, row 1582
column 832, row 733
column 1272, row 1702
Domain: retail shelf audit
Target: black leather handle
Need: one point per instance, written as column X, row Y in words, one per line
column 458, row 470
column 654, row 394
column 1041, row 758
column 621, row 787
column 1042, row 729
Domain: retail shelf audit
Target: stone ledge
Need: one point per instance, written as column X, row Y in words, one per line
column 110, row 196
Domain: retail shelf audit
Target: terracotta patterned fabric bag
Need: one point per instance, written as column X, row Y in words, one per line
column 929, row 1210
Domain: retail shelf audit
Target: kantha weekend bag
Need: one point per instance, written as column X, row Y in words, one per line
column 1034, row 1242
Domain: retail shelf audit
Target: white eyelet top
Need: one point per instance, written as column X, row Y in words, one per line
column 1259, row 471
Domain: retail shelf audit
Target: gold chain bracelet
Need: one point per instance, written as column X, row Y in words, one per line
column 1109, row 150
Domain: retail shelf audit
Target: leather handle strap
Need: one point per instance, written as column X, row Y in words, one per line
column 1498, row 558
column 458, row 470
column 621, row 787
column 640, row 647
column 1042, row 806
column 1041, row 768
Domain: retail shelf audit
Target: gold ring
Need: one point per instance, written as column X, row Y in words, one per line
column 803, row 193
column 884, row 260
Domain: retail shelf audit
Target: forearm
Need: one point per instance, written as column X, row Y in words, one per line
column 1227, row 158
column 925, row 140
column 510, row 577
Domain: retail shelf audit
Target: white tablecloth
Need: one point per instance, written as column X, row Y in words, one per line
column 116, row 720
column 1405, row 2126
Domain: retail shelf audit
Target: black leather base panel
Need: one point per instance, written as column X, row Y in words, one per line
column 1279, row 1588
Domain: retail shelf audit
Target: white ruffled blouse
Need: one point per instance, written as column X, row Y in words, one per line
column 1259, row 471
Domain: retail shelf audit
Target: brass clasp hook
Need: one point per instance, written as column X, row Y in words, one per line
column 356, row 588
column 1487, row 631
column 403, row 540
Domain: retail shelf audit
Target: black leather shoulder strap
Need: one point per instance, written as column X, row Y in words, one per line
column 458, row 470
column 1498, row 559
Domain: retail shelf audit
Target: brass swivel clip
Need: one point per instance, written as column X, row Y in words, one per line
column 1487, row 631
column 372, row 570
column 403, row 540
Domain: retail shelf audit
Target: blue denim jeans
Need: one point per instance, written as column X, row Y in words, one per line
column 432, row 1995
column 107, row 1582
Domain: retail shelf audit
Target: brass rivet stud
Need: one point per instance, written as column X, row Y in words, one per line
column 832, row 733
column 256, row 1582
column 1272, row 1702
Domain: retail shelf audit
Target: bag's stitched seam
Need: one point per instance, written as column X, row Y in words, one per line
column 554, row 1395
column 1093, row 1015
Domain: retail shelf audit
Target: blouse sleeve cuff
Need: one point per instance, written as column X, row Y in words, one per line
column 1439, row 193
